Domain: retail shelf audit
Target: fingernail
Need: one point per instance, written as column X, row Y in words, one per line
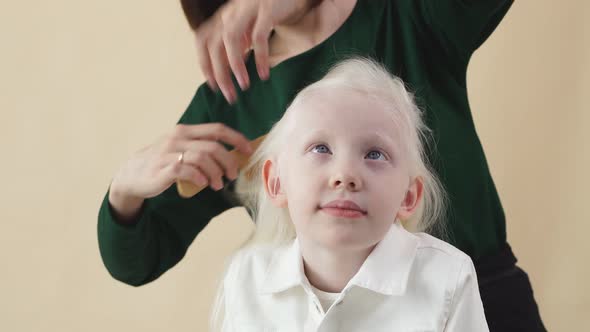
column 241, row 82
column 246, row 81
column 212, row 86
column 228, row 97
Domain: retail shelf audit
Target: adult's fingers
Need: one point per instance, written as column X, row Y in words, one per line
column 224, row 158
column 221, row 69
column 234, row 31
column 205, row 62
column 205, row 161
column 203, row 35
column 260, row 32
column 221, row 156
column 215, row 132
column 177, row 170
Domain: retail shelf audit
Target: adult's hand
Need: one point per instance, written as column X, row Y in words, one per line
column 156, row 167
column 238, row 26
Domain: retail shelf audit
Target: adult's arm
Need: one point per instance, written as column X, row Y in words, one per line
column 138, row 251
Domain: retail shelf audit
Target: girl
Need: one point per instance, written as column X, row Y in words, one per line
column 329, row 189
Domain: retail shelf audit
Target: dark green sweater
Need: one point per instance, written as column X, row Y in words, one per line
column 428, row 43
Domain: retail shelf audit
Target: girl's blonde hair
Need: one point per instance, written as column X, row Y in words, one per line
column 360, row 75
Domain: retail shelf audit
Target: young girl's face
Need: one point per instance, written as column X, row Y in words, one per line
column 343, row 174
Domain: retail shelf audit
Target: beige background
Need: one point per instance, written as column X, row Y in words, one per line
column 83, row 84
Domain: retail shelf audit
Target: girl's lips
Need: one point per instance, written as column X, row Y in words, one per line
column 343, row 209
column 342, row 213
column 344, row 204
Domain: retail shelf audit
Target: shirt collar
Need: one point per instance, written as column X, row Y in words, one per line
column 285, row 270
column 386, row 269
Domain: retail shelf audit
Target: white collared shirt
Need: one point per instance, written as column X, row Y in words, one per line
column 410, row 282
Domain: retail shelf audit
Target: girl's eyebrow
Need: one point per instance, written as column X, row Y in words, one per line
column 372, row 138
column 315, row 134
column 382, row 138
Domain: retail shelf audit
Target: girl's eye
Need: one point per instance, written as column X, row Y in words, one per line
column 376, row 155
column 321, row 148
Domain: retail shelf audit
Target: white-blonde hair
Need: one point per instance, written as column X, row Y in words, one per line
column 273, row 224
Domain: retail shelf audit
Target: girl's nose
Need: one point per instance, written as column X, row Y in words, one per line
column 346, row 181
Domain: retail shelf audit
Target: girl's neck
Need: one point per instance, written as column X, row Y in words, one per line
column 314, row 27
column 331, row 270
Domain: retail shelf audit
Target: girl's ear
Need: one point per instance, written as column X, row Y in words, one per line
column 272, row 184
column 411, row 200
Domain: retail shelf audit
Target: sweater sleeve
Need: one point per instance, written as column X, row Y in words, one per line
column 141, row 252
column 461, row 26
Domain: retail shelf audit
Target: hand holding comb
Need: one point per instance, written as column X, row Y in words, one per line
column 188, row 189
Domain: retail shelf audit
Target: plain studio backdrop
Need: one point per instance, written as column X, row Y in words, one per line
column 83, row 84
